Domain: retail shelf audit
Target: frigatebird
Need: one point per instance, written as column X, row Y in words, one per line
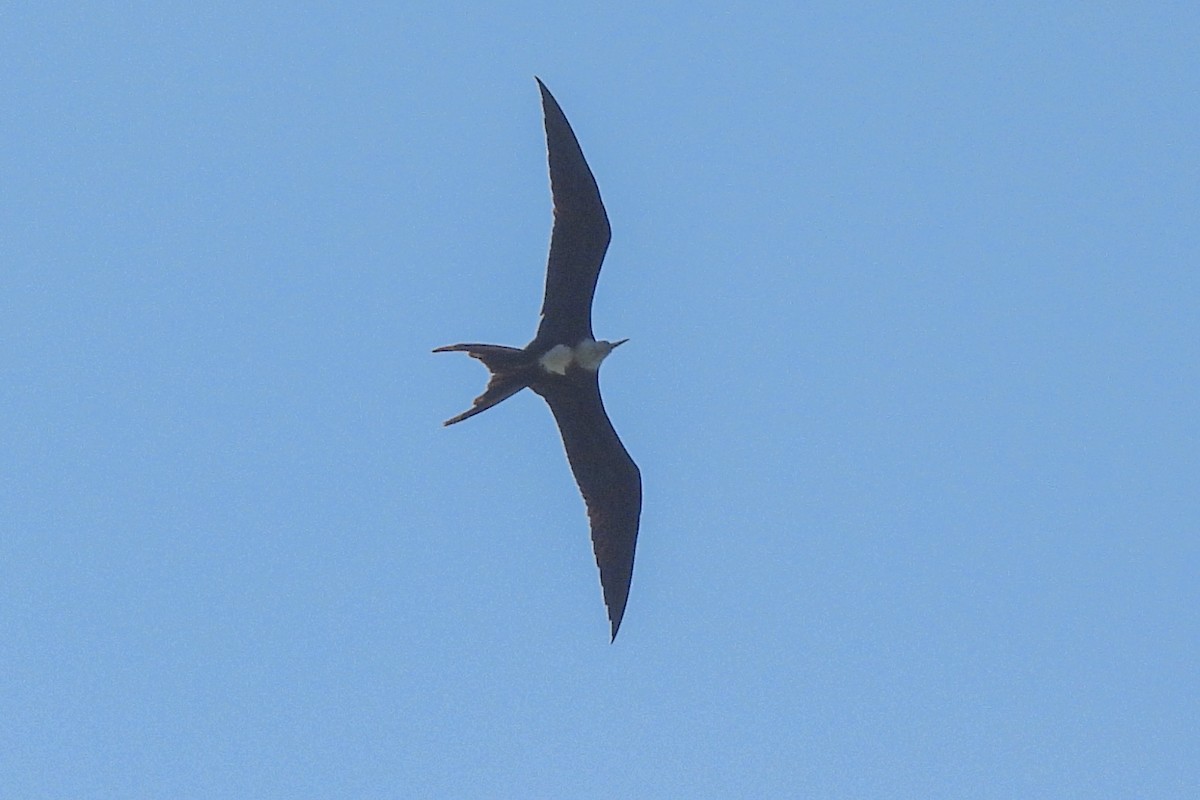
column 562, row 363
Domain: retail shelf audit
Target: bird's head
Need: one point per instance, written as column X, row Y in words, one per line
column 589, row 354
column 603, row 348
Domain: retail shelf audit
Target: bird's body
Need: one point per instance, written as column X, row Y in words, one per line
column 586, row 355
column 562, row 363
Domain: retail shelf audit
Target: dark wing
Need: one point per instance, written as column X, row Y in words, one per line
column 580, row 238
column 608, row 479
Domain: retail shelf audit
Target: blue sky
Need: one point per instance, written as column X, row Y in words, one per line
column 912, row 381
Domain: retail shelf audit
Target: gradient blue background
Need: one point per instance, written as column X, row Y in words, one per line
column 914, row 301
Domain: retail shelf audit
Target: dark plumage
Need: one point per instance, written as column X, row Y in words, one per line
column 561, row 363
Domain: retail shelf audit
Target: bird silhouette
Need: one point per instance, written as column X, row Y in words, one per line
column 562, row 363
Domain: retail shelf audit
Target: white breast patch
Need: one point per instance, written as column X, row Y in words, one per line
column 557, row 359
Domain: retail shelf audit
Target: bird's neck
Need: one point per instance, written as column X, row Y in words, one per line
column 589, row 353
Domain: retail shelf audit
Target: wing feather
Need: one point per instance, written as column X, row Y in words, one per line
column 580, row 236
column 608, row 479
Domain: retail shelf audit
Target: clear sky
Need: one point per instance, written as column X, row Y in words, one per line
column 914, row 307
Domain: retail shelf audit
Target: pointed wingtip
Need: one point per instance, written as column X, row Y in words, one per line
column 615, row 624
column 546, row 96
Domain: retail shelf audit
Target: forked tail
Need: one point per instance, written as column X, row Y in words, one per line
column 511, row 368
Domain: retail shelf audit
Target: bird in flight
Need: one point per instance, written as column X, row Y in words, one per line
column 562, row 363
